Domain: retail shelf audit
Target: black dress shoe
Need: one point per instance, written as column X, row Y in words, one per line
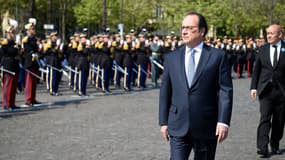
column 36, row 102
column 15, row 107
column 27, row 105
column 264, row 154
column 276, row 151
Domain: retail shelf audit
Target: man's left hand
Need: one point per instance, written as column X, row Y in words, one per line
column 221, row 132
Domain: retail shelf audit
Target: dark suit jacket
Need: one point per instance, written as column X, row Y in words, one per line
column 209, row 100
column 264, row 73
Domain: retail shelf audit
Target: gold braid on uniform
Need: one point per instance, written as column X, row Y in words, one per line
column 4, row 42
column 138, row 45
column 80, row 47
column 126, row 46
column 166, row 44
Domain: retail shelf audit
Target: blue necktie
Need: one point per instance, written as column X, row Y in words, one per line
column 191, row 67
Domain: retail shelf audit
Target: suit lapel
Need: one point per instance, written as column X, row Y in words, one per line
column 281, row 54
column 267, row 56
column 205, row 55
column 183, row 77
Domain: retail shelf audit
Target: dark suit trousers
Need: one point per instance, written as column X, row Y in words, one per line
column 272, row 117
column 180, row 148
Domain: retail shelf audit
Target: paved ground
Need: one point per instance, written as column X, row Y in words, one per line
column 117, row 126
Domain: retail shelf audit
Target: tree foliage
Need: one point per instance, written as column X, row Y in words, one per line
column 227, row 17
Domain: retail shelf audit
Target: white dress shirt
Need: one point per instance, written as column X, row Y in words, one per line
column 272, row 49
column 197, row 55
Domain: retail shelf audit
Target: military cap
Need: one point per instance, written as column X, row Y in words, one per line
column 53, row 33
column 141, row 35
column 82, row 35
column 168, row 37
column 29, row 26
column 107, row 29
column 128, row 36
column 105, row 36
column 76, row 34
column 10, row 29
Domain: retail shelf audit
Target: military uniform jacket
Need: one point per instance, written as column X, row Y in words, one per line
column 9, row 60
column 30, row 47
column 106, row 60
column 93, row 55
column 141, row 54
column 53, row 58
column 128, row 60
column 241, row 56
column 83, row 62
column 118, row 53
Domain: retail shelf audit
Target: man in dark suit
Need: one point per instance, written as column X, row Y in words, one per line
column 268, row 83
column 195, row 102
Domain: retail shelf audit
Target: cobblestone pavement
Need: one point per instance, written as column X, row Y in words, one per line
column 117, row 126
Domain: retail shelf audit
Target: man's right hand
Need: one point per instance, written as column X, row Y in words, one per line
column 164, row 132
column 253, row 94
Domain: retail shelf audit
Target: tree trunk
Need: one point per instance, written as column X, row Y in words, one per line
column 32, row 9
column 104, row 24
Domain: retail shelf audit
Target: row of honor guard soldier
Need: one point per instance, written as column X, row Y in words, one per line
column 31, row 64
column 241, row 55
column 10, row 67
column 53, row 57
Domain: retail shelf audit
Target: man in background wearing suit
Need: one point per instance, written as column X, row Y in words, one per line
column 268, row 83
column 195, row 102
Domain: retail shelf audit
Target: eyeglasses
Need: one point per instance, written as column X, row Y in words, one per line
column 188, row 28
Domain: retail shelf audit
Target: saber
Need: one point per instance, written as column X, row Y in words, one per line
column 96, row 71
column 157, row 64
column 32, row 73
column 120, row 69
column 59, row 70
column 95, row 68
column 143, row 70
column 5, row 70
column 72, row 70
column 43, row 70
column 135, row 70
column 40, row 65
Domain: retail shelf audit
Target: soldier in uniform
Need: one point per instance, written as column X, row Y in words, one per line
column 75, row 61
column 31, row 64
column 250, row 55
column 155, row 48
column 10, row 63
column 118, row 58
column 230, row 53
column 168, row 45
column 99, row 48
column 128, row 51
column 53, row 64
column 69, row 56
column 93, row 57
column 106, row 64
column 141, row 60
column 83, row 64
column 241, row 57
column 134, row 57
